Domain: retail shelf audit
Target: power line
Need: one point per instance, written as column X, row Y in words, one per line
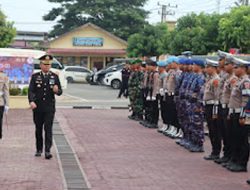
column 166, row 10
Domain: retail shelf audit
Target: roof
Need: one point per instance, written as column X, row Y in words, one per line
column 31, row 33
column 95, row 27
column 21, row 52
column 66, row 51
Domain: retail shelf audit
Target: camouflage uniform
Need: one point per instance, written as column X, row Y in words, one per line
column 132, row 91
column 138, row 106
column 134, row 86
column 196, row 101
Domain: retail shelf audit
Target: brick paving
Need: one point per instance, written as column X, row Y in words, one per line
column 119, row 154
column 20, row 170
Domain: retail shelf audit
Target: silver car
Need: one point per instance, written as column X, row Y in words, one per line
column 76, row 73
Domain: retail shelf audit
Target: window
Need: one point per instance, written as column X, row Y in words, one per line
column 71, row 60
column 84, row 61
column 37, row 66
column 72, row 69
column 83, row 70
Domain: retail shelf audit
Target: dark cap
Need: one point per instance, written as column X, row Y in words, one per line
column 199, row 62
column 150, row 62
column 134, row 62
column 46, row 59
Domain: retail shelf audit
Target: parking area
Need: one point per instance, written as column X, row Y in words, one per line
column 82, row 94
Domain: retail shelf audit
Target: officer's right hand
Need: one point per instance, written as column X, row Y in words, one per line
column 215, row 116
column 33, row 105
column 242, row 121
column 55, row 89
column 6, row 109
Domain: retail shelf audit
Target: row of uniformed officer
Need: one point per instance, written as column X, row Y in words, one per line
column 224, row 95
column 225, row 98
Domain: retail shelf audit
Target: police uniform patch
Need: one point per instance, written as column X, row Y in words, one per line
column 246, row 85
column 233, row 81
column 246, row 88
column 216, row 83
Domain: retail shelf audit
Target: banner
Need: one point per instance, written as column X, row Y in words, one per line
column 18, row 69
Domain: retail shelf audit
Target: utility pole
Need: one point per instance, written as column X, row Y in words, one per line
column 218, row 6
column 166, row 10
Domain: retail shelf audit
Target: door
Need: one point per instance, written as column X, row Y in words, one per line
column 97, row 62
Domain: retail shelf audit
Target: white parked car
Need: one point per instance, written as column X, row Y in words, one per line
column 113, row 79
column 76, row 73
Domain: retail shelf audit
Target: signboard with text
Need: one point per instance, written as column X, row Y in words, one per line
column 87, row 41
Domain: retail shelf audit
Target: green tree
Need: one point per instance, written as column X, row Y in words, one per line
column 187, row 39
column 198, row 33
column 150, row 41
column 234, row 30
column 120, row 17
column 7, row 31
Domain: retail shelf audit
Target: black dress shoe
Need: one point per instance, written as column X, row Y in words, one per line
column 38, row 153
column 48, row 155
column 211, row 157
column 237, row 168
column 153, row 126
column 248, row 181
column 221, row 160
column 131, row 117
column 227, row 164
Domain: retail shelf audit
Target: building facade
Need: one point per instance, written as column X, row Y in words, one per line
column 30, row 40
column 89, row 46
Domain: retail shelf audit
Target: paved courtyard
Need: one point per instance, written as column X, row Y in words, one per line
column 114, row 152
column 20, row 170
column 117, row 153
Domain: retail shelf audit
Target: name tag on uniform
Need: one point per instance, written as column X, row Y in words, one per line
column 51, row 81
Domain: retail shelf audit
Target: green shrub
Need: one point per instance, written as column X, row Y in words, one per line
column 15, row 91
column 25, row 91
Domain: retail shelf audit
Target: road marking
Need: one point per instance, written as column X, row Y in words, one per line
column 107, row 100
column 75, row 97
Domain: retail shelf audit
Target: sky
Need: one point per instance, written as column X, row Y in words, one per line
column 27, row 14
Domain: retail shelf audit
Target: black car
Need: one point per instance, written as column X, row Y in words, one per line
column 97, row 78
